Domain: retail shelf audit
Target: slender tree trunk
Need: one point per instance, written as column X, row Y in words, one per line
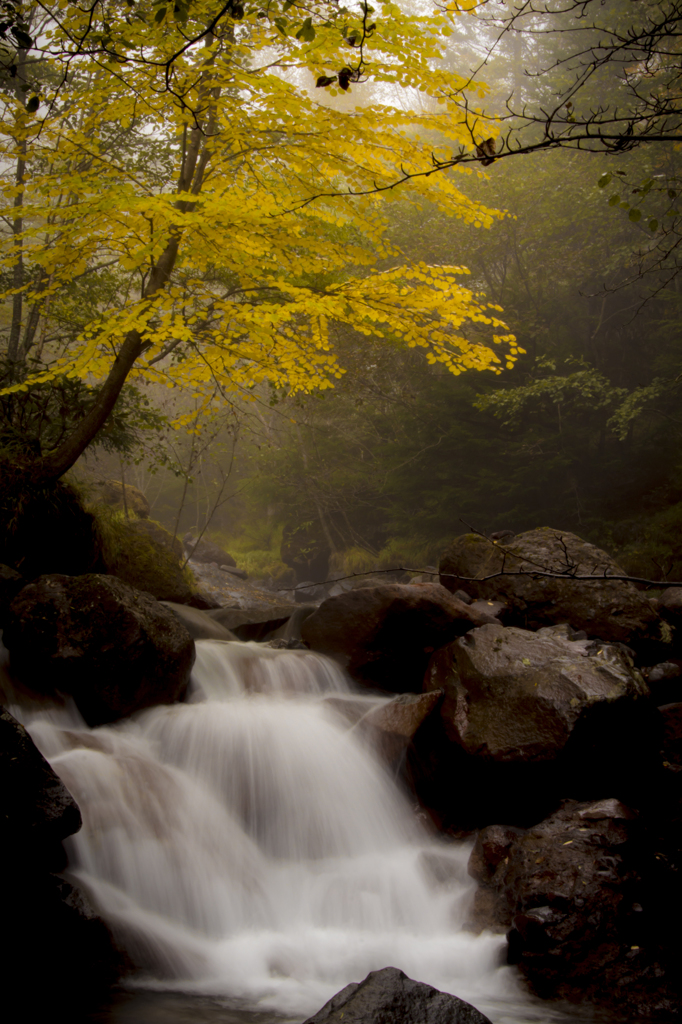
column 18, row 223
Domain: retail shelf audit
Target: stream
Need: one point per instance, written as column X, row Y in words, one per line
column 253, row 855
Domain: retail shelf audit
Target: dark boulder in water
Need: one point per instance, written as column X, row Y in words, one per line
column 515, row 695
column 390, row 997
column 385, row 635
column 583, row 920
column 530, row 718
column 58, row 951
column 37, row 809
column 115, row 649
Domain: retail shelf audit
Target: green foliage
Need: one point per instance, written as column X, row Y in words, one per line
column 37, row 420
column 575, row 393
column 353, row 560
column 583, row 434
column 655, row 552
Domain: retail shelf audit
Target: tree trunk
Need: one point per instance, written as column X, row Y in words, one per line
column 56, row 463
column 18, row 223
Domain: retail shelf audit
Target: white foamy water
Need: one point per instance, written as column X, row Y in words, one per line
column 247, row 844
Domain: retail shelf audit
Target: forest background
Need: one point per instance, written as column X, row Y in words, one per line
column 580, row 432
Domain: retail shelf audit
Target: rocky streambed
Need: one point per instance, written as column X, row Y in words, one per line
column 538, row 719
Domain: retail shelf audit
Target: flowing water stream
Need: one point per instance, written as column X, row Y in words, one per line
column 248, row 846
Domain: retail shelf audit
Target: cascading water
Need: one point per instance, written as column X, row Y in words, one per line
column 248, row 844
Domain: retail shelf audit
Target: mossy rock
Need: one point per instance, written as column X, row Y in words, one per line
column 159, row 534
column 145, row 555
column 124, row 498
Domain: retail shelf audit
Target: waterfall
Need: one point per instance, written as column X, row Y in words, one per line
column 248, row 844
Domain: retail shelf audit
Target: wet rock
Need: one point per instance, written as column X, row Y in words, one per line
column 391, row 727
column 280, row 644
column 670, row 604
column 516, row 695
column 257, row 623
column 11, row 583
column 61, row 955
column 56, row 936
column 665, row 670
column 307, row 591
column 226, row 590
column 242, row 574
column 291, row 629
column 385, row 635
column 205, row 551
column 606, row 609
column 490, row 849
column 580, row 923
column 497, row 609
column 198, row 624
column 528, row 719
column 37, row 809
column 665, row 681
column 202, row 600
column 388, row 727
column 390, row 997
column 114, row 649
column 602, row 810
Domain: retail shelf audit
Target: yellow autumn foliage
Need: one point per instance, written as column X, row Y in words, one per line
column 160, row 140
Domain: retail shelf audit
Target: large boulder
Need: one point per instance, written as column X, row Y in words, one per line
column 56, row 936
column 529, row 718
column 37, row 809
column 514, row 695
column 114, row 649
column 606, row 609
column 582, row 921
column 145, row 555
column 385, row 635
column 390, row 997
